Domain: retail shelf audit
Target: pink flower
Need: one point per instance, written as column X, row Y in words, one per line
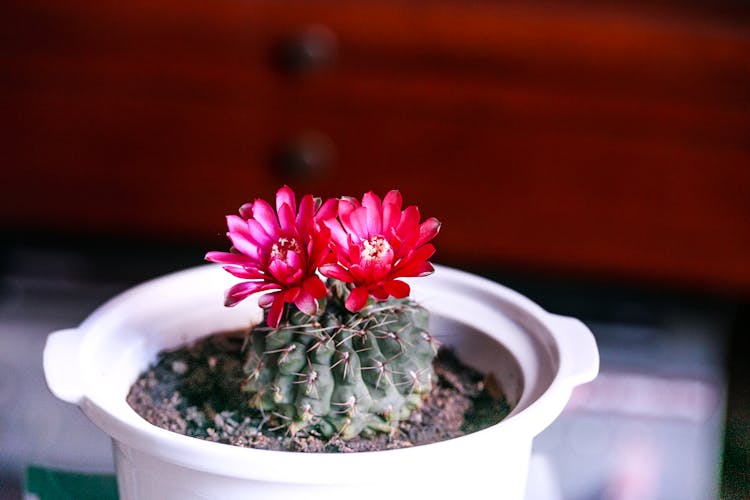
column 375, row 243
column 278, row 252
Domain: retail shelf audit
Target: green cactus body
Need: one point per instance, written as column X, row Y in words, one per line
column 340, row 372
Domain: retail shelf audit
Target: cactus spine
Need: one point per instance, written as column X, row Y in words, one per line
column 342, row 373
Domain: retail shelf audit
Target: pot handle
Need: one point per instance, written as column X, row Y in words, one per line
column 61, row 369
column 579, row 356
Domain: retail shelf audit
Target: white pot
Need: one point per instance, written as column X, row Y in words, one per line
column 537, row 357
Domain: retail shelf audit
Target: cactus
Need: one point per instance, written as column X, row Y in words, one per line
column 342, row 373
column 350, row 356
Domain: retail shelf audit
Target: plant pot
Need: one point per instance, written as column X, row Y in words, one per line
column 537, row 358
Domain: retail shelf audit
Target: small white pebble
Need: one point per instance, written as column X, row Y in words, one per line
column 179, row 367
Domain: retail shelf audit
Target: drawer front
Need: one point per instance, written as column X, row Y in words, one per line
column 581, row 141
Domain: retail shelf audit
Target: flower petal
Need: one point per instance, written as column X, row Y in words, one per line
column 391, row 210
column 266, row 217
column 274, row 313
column 288, row 221
column 422, row 253
column 414, row 268
column 291, row 294
column 358, row 220
column 359, row 274
column 373, row 213
column 306, row 303
column 239, row 225
column 337, row 272
column 236, row 259
column 409, row 220
column 357, row 299
column 306, row 217
column 397, row 288
column 258, row 234
column 236, row 223
column 318, row 248
column 347, row 204
column 267, row 299
column 246, row 273
column 338, row 234
column 242, row 244
column 241, row 290
column 328, row 210
column 315, row 287
column 281, row 272
column 285, row 196
column 355, row 223
column 428, row 230
column 246, row 210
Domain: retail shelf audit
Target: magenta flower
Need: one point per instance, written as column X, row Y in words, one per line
column 279, row 252
column 375, row 243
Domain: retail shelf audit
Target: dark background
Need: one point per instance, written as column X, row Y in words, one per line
column 589, row 148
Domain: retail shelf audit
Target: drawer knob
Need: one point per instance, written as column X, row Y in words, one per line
column 312, row 49
column 307, row 157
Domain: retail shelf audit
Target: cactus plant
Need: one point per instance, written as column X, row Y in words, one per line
column 351, row 356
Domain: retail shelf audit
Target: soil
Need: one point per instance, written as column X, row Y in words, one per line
column 195, row 391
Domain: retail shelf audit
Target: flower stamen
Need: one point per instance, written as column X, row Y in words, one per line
column 283, row 246
column 375, row 248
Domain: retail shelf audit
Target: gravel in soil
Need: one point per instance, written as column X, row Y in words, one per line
column 196, row 391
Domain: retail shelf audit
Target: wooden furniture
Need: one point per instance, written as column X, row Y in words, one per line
column 609, row 141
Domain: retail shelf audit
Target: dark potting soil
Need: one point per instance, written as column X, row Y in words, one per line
column 195, row 391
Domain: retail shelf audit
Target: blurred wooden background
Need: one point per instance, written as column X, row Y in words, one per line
column 579, row 138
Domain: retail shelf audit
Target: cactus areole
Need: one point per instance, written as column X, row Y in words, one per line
column 348, row 355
